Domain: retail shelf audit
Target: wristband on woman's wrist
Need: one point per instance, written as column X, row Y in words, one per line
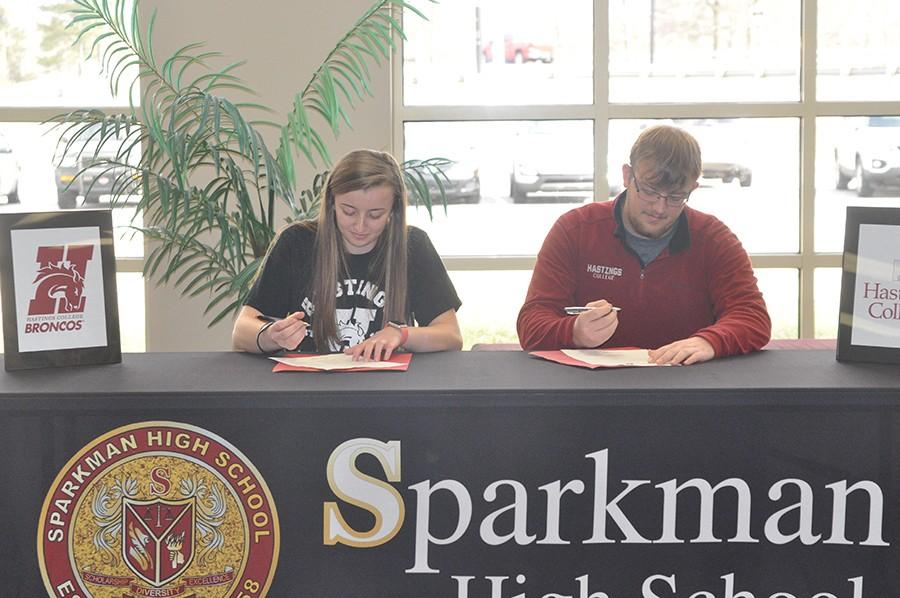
column 404, row 331
column 262, row 329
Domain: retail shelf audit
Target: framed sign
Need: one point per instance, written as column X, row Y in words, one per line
column 869, row 322
column 58, row 287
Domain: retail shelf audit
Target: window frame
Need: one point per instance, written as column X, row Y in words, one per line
column 601, row 111
column 38, row 115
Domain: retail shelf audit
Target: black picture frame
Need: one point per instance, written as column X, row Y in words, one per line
column 55, row 233
column 869, row 319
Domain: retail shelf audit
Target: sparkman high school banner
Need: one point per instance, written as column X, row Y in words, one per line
column 480, row 503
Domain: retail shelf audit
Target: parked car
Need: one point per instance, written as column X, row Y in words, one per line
column 728, row 171
column 76, row 176
column 869, row 153
column 546, row 182
column 516, row 51
column 9, row 172
column 555, row 164
column 720, row 152
column 455, row 144
column 462, row 184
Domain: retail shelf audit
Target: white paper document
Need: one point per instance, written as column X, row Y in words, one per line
column 613, row 357
column 336, row 361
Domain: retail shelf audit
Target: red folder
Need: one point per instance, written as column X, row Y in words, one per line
column 401, row 359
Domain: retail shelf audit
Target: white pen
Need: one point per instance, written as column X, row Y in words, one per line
column 574, row 310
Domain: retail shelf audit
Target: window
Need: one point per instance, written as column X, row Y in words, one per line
column 793, row 128
column 857, row 164
column 500, row 52
column 857, row 51
column 704, row 51
column 42, row 75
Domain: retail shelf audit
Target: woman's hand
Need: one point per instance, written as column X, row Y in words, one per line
column 253, row 334
column 378, row 347
column 440, row 334
column 286, row 333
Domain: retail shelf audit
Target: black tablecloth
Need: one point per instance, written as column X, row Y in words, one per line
column 506, row 420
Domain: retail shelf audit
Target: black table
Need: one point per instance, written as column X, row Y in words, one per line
column 579, row 482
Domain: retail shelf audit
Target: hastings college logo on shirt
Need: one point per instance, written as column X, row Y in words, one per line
column 158, row 509
column 360, row 305
column 604, row 272
column 353, row 325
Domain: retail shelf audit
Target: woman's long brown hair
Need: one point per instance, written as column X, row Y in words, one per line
column 359, row 170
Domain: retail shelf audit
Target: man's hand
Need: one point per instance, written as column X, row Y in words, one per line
column 377, row 347
column 595, row 326
column 686, row 351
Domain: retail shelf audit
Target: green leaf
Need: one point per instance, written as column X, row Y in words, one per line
column 206, row 183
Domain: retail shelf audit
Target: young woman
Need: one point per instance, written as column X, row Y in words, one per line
column 355, row 280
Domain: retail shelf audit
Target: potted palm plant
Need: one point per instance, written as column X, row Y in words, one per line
column 197, row 163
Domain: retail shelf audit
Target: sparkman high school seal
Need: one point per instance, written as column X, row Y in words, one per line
column 158, row 509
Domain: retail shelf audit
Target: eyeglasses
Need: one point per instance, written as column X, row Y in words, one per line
column 649, row 195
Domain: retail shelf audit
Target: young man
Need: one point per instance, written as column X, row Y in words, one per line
column 657, row 274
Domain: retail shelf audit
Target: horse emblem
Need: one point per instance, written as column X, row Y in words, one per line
column 60, row 285
column 353, row 325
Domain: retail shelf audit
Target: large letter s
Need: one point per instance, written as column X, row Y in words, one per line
column 352, row 486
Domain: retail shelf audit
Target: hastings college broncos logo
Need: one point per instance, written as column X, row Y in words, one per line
column 59, row 284
column 158, row 509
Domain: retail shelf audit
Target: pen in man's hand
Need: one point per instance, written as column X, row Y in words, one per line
column 574, row 310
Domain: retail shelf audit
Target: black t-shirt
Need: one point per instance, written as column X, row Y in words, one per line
column 283, row 286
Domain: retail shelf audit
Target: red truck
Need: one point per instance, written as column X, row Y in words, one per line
column 516, row 51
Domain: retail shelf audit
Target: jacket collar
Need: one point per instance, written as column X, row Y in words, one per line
column 680, row 241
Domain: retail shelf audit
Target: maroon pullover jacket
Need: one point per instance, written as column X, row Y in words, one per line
column 702, row 285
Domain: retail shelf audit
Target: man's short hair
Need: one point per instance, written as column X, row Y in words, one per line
column 672, row 154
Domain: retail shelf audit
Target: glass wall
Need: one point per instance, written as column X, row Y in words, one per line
column 43, row 73
column 40, row 63
column 702, row 51
column 532, row 137
column 500, row 52
column 858, row 50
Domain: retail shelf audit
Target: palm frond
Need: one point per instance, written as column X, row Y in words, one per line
column 421, row 175
column 344, row 76
column 203, row 178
